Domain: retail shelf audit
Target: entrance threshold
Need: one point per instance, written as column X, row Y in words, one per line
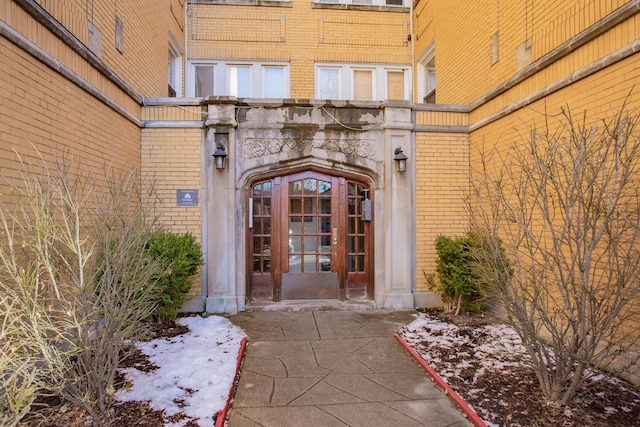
column 310, row 305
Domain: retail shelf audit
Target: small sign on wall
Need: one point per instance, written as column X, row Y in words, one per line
column 187, row 197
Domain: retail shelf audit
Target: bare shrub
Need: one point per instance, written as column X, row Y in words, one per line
column 75, row 281
column 565, row 206
column 119, row 295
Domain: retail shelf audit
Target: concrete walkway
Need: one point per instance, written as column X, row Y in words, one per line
column 334, row 368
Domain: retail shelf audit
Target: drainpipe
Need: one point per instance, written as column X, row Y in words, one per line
column 204, row 289
column 413, row 52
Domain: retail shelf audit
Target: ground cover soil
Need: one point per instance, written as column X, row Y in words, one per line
column 508, row 394
column 503, row 396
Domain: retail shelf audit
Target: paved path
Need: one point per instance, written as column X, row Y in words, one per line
column 334, row 368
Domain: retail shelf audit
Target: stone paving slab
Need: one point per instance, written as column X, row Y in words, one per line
column 334, row 368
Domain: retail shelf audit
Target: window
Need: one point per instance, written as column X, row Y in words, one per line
column 171, row 74
column 174, row 68
column 242, row 80
column 427, row 76
column 365, row 2
column 204, row 80
column 328, row 83
column 430, row 73
column 363, row 84
column 273, row 82
column 353, row 81
column 239, row 81
column 395, row 85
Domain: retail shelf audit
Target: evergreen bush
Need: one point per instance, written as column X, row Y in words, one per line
column 180, row 256
column 458, row 286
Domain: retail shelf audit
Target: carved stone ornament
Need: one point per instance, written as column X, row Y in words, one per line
column 258, row 147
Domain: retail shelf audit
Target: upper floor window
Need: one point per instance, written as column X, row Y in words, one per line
column 328, row 83
column 362, row 82
column 242, row 80
column 366, row 2
column 174, row 68
column 427, row 76
column 239, row 81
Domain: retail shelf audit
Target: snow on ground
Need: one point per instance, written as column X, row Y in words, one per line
column 490, row 368
column 196, row 370
column 501, row 347
column 455, row 355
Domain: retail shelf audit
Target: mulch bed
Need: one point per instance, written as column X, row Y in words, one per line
column 53, row 412
column 511, row 396
column 504, row 397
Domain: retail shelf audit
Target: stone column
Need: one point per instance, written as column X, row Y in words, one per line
column 399, row 221
column 219, row 201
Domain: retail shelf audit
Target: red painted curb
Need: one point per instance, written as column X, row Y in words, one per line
column 453, row 396
column 223, row 412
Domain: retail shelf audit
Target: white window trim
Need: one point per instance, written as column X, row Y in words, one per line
column 407, row 82
column 176, row 51
column 372, row 3
column 379, row 78
column 423, row 69
column 221, row 76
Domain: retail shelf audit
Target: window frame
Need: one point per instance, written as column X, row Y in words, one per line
column 354, row 70
column 379, row 79
column 213, row 76
column 317, row 79
column 404, row 3
column 228, row 79
column 285, row 79
column 174, row 66
column 406, row 92
column 221, row 76
column 427, row 69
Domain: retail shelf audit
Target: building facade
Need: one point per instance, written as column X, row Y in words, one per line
column 308, row 104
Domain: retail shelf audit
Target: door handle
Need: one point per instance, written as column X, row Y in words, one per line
column 335, row 236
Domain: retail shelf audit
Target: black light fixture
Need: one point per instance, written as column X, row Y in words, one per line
column 220, row 157
column 401, row 158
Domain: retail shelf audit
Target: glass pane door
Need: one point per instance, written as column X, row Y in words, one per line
column 309, row 226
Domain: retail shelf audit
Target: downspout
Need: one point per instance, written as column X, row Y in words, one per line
column 414, row 80
column 204, row 271
column 413, row 52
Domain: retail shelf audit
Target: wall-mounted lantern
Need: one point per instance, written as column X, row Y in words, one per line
column 220, row 157
column 401, row 159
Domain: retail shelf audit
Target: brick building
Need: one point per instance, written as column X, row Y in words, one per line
column 309, row 101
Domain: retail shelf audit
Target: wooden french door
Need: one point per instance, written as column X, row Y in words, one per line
column 308, row 238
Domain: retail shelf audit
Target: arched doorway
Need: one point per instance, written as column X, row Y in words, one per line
column 310, row 237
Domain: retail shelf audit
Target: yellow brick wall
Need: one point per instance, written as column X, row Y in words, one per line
column 442, row 162
column 143, row 61
column 40, row 109
column 600, row 95
column 462, row 33
column 301, row 34
column 25, row 25
column 172, row 157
